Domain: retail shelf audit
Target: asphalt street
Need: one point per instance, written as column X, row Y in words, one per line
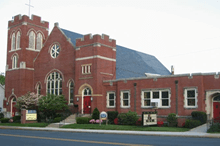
column 10, row 137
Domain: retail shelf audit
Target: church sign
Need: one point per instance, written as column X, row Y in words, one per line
column 31, row 115
column 149, row 118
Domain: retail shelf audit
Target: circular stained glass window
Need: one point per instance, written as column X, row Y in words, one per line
column 55, row 51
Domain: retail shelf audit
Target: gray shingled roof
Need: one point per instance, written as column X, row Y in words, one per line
column 130, row 63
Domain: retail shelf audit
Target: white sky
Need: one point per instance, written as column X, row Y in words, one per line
column 183, row 33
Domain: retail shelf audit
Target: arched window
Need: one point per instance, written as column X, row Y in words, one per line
column 14, row 61
column 71, row 92
column 32, row 40
column 13, row 42
column 217, row 98
column 87, row 91
column 38, row 89
column 18, row 38
column 54, row 83
column 39, row 41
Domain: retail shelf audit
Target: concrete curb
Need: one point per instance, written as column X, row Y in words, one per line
column 149, row 133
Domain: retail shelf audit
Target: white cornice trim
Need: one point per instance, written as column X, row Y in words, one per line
column 19, row 68
column 96, row 56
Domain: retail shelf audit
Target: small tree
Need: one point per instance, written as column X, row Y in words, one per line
column 172, row 120
column 2, row 79
column 95, row 114
column 27, row 101
column 49, row 105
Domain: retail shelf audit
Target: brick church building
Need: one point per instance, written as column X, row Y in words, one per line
column 92, row 71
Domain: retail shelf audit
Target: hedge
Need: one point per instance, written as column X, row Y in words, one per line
column 4, row 120
column 192, row 123
column 201, row 116
column 83, row 120
column 111, row 116
column 129, row 118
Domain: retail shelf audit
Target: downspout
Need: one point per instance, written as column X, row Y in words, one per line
column 135, row 88
column 176, row 82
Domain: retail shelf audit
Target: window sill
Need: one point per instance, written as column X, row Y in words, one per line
column 151, row 107
column 30, row 49
column 86, row 73
column 124, row 106
column 70, row 104
column 110, row 106
column 191, row 107
column 15, row 50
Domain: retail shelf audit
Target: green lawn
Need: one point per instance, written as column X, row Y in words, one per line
column 124, row 127
column 25, row 125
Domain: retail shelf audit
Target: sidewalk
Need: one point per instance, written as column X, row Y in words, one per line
column 192, row 133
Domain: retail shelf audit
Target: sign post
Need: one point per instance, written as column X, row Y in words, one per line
column 103, row 116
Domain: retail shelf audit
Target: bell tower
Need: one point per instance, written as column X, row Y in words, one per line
column 26, row 37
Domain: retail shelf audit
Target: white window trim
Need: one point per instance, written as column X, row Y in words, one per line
column 160, row 98
column 14, row 62
column 121, row 99
column 185, row 98
column 70, row 92
column 107, row 99
column 34, row 37
column 54, row 79
column 18, row 40
column 13, row 42
column 86, row 69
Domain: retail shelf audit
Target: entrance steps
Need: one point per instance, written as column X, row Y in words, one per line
column 69, row 120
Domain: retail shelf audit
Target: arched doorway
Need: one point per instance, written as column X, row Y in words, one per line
column 87, row 101
column 216, row 108
column 13, row 108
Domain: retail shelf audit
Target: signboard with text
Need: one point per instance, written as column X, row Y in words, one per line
column 31, row 115
column 149, row 118
column 103, row 116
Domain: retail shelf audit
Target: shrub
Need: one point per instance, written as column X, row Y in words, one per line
column 192, row 123
column 138, row 122
column 1, row 115
column 95, row 114
column 83, row 120
column 92, row 121
column 5, row 120
column 116, row 121
column 172, row 120
column 17, row 119
column 201, row 116
column 111, row 116
column 214, row 128
column 57, row 119
column 97, row 121
column 128, row 118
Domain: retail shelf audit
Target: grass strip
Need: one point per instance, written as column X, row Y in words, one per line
column 25, row 125
column 124, row 127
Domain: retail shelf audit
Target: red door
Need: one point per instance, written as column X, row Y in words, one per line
column 87, row 104
column 216, row 110
column 13, row 109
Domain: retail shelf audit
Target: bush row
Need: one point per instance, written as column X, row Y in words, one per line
column 215, row 127
column 83, row 120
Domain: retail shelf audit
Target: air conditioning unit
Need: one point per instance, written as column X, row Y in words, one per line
column 154, row 104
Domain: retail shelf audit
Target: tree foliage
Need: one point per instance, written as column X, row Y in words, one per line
column 2, row 79
column 95, row 114
column 50, row 104
column 28, row 101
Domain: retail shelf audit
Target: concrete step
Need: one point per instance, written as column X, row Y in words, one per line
column 54, row 125
column 70, row 119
